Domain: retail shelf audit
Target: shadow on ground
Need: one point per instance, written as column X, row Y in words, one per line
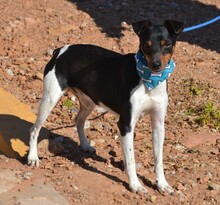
column 14, row 142
column 14, row 136
column 109, row 15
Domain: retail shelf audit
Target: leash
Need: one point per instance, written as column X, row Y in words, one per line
column 202, row 24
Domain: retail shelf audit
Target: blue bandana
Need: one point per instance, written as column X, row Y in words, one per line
column 152, row 80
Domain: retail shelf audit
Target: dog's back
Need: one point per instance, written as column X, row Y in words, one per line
column 86, row 67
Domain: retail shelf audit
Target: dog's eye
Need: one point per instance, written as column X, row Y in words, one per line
column 166, row 46
column 146, row 48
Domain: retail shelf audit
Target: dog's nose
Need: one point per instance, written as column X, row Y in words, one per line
column 157, row 65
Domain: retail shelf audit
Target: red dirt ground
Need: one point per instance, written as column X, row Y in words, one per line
column 29, row 32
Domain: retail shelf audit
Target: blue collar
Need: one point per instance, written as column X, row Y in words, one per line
column 152, row 80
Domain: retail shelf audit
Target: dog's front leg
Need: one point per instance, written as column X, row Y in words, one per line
column 127, row 138
column 157, row 120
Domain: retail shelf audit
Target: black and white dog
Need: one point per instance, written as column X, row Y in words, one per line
column 128, row 85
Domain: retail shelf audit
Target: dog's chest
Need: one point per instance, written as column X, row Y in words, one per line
column 144, row 101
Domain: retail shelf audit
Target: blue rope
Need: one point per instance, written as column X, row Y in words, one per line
column 202, row 24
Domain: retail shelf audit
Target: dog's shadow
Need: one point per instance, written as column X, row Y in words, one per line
column 14, row 143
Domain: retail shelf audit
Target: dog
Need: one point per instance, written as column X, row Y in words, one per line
column 129, row 85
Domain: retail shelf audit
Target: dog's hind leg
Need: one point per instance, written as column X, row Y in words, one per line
column 86, row 107
column 52, row 93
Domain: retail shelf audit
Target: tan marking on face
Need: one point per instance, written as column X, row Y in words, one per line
column 165, row 59
column 149, row 60
column 149, row 43
column 163, row 42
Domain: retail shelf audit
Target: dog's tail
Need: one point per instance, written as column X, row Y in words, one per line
column 56, row 51
column 52, row 61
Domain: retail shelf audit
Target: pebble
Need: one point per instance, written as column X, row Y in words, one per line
column 180, row 147
column 214, row 186
column 50, row 52
column 73, row 98
column 39, row 76
column 153, row 198
column 83, row 25
column 92, row 143
column 75, row 187
column 138, row 165
column 100, row 110
column 87, row 124
column 115, row 137
column 124, row 25
column 10, row 72
column 218, row 141
column 27, row 175
column 22, row 79
column 182, row 197
column 101, row 141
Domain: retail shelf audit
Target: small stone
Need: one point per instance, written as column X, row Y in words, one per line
column 62, row 38
column 30, row 60
column 127, row 196
column 213, row 186
column 100, row 110
column 87, row 124
column 182, row 197
column 75, row 187
column 138, row 165
column 10, row 72
column 40, row 76
column 27, row 175
column 218, row 141
column 124, row 25
column 153, row 198
column 30, row 21
column 49, row 166
column 22, row 79
column 83, row 25
column 50, row 52
column 92, row 143
column 73, row 98
column 115, row 137
column 101, row 141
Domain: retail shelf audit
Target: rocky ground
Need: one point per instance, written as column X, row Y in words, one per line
column 31, row 30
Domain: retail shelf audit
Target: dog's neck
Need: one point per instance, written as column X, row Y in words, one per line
column 150, row 79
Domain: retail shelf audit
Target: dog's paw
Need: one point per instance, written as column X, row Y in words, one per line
column 138, row 189
column 33, row 161
column 165, row 189
column 88, row 149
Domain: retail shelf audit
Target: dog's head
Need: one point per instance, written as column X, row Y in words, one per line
column 157, row 41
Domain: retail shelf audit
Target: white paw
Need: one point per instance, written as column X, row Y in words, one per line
column 138, row 188
column 165, row 188
column 88, row 149
column 33, row 161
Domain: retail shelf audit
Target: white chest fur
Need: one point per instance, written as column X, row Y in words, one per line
column 145, row 101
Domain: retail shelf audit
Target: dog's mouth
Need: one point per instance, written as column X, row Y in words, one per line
column 157, row 70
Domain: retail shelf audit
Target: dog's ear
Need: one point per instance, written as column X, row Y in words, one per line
column 140, row 26
column 174, row 27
